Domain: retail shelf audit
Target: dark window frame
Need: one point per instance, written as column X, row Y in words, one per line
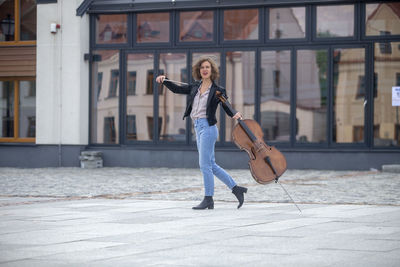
column 359, row 39
column 16, row 119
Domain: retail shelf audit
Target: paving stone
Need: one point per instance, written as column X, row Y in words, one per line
column 80, row 217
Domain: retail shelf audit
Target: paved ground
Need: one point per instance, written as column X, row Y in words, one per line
column 143, row 217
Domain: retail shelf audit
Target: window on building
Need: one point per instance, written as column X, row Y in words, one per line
column 152, row 27
column 275, row 95
column 382, row 18
column 112, row 92
column 241, row 24
column 18, row 110
column 131, row 133
column 131, row 84
column 386, row 116
column 17, row 70
column 335, row 21
column 287, row 22
column 360, row 87
column 149, row 82
column 99, row 83
column 111, row 29
column 103, row 129
column 28, row 20
column 171, row 106
column 139, row 103
column 240, row 85
column 385, row 48
column 349, row 81
column 109, row 130
column 196, row 26
column 18, row 21
column 398, row 79
column 311, row 104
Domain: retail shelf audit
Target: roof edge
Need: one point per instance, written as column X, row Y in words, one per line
column 117, row 6
column 81, row 10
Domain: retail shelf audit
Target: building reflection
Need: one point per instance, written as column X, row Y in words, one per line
column 312, row 99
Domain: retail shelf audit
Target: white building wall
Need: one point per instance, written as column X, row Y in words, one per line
column 62, row 82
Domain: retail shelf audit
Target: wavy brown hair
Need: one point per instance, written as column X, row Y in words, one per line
column 196, row 69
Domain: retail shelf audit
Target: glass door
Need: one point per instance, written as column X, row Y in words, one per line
column 331, row 96
column 349, row 100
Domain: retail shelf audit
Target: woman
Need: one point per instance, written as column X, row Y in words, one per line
column 201, row 106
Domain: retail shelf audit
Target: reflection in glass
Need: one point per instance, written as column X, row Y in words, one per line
column 6, row 109
column 139, row 106
column 152, row 27
column 196, row 26
column 335, row 21
column 349, row 93
column 28, row 20
column 104, row 98
column 7, row 20
column 240, row 86
column 241, row 24
column 172, row 106
column 382, row 19
column 217, row 58
column 386, row 115
column 311, row 103
column 275, row 95
column 111, row 29
column 287, row 22
column 27, row 108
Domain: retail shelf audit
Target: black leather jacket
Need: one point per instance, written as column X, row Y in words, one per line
column 212, row 101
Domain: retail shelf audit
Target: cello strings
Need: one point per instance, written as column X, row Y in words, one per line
column 289, row 195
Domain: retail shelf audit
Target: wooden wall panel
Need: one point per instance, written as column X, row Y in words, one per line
column 17, row 61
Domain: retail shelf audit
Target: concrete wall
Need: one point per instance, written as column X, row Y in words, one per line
column 62, row 103
column 36, row 156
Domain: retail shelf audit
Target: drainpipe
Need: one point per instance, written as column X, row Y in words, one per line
column 60, row 85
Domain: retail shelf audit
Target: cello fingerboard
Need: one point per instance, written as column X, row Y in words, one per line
column 246, row 129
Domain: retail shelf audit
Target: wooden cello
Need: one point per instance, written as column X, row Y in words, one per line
column 266, row 162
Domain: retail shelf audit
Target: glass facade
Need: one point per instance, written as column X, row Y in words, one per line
column 17, row 70
column 311, row 100
column 285, row 23
column 335, row 21
column 27, row 109
column 382, row 19
column 7, row 108
column 28, row 20
column 18, row 110
column 275, row 95
column 196, row 26
column 7, row 19
column 241, row 24
column 111, row 29
column 152, row 27
column 172, row 106
column 349, row 95
column 240, row 85
column 386, row 115
column 104, row 112
column 312, row 75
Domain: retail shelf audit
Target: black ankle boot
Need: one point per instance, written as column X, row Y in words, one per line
column 238, row 191
column 207, row 203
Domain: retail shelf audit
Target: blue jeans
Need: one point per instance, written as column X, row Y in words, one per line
column 206, row 136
